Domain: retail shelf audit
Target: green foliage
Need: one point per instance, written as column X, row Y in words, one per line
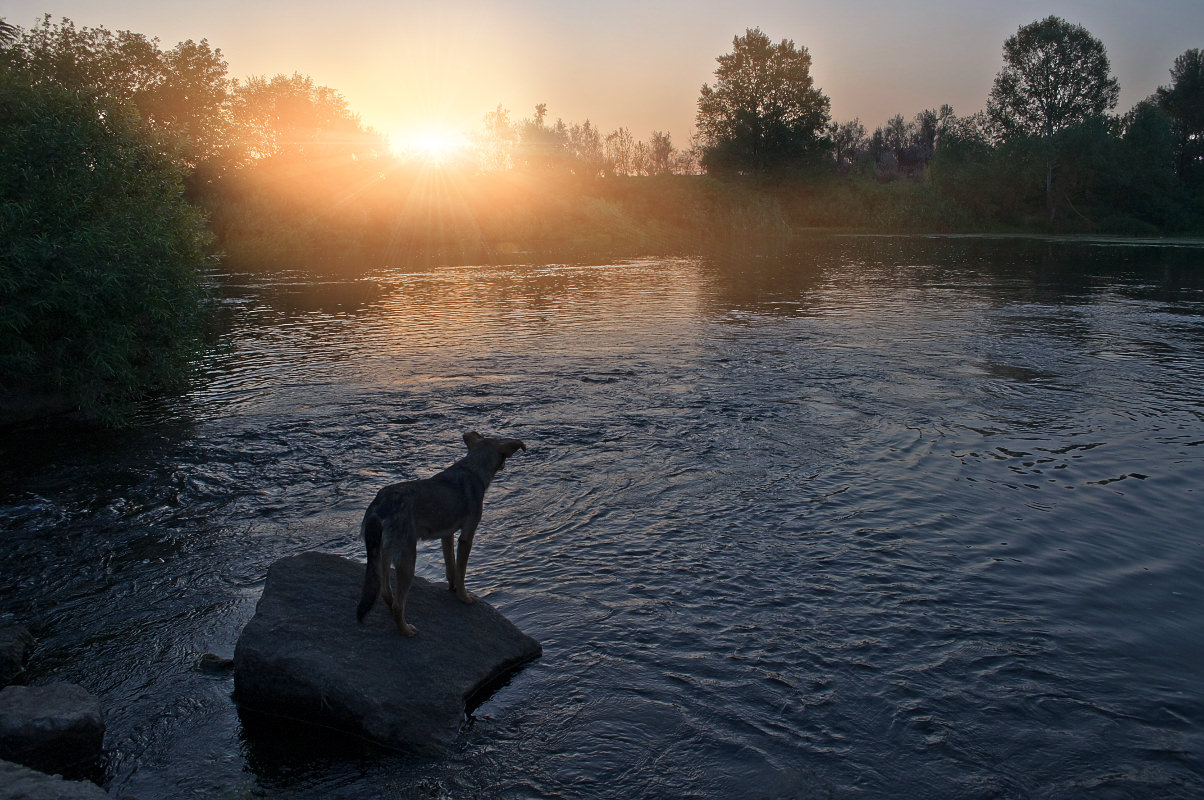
column 1055, row 79
column 182, row 95
column 764, row 112
column 100, row 298
column 1055, row 76
column 1183, row 101
column 8, row 33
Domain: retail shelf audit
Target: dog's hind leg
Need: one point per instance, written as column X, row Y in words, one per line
column 449, row 561
column 371, row 531
column 386, row 586
column 405, row 576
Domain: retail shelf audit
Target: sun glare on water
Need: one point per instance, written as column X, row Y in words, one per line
column 432, row 145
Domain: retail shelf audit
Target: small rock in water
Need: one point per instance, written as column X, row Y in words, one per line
column 213, row 664
column 22, row 783
column 304, row 656
column 56, row 728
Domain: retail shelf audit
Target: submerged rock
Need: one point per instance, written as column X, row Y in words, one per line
column 16, row 644
column 55, row 728
column 22, row 783
column 304, row 656
column 213, row 664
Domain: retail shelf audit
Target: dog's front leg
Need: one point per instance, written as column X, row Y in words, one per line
column 449, row 560
column 462, row 561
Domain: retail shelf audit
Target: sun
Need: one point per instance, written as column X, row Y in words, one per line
column 433, row 145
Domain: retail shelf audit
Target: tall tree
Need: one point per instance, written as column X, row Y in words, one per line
column 1183, row 100
column 1055, row 76
column 764, row 112
column 182, row 95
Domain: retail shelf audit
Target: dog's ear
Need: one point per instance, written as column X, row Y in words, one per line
column 471, row 438
column 511, row 446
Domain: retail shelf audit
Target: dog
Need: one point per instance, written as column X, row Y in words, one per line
column 432, row 508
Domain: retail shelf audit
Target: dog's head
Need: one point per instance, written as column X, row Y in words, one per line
column 503, row 447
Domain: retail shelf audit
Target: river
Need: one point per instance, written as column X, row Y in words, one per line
column 872, row 517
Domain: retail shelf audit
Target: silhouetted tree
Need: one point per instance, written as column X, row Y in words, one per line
column 848, row 139
column 1183, row 100
column 923, row 136
column 897, row 136
column 1146, row 186
column 764, row 112
column 1055, row 76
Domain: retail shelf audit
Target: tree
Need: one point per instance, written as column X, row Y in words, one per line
column 9, row 33
column 897, row 136
column 848, row 139
column 1183, row 100
column 620, row 151
column 764, row 112
column 1055, row 76
column 542, row 147
column 100, row 296
column 660, row 154
column 183, row 95
column 585, row 142
column 291, row 116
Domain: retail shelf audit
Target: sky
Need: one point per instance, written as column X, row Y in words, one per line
column 423, row 69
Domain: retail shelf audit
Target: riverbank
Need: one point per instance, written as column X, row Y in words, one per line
column 271, row 219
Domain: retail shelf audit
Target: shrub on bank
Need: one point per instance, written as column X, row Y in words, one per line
column 100, row 296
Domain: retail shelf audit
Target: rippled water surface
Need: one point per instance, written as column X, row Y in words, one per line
column 878, row 517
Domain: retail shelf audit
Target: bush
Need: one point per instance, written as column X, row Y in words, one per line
column 100, row 295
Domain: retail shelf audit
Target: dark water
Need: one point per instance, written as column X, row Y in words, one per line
column 876, row 518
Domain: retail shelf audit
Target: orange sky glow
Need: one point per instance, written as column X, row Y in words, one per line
column 427, row 72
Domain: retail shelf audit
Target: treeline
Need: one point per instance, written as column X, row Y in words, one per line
column 940, row 172
column 582, row 149
column 1046, row 154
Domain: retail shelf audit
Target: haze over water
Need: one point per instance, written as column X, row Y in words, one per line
column 877, row 517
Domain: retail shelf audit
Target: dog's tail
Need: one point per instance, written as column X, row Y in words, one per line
column 372, row 532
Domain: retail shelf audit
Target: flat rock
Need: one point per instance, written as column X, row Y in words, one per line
column 15, row 646
column 55, row 728
column 304, row 656
column 22, row 783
